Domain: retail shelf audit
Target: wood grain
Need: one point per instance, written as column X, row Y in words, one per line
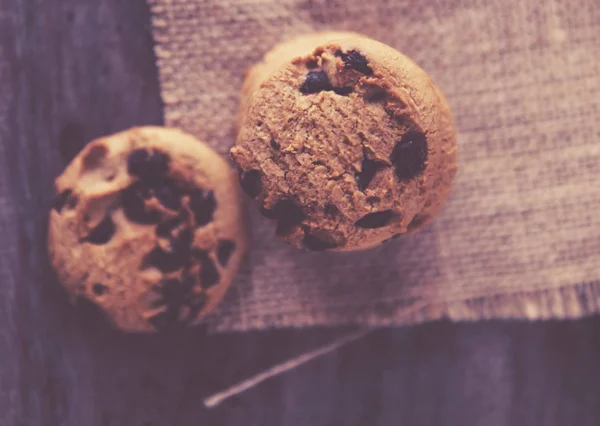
column 73, row 70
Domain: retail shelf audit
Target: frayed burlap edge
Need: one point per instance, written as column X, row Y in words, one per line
column 564, row 303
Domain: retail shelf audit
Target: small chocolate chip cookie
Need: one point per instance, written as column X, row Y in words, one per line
column 344, row 142
column 147, row 225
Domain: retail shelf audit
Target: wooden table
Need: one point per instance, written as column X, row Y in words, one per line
column 73, row 70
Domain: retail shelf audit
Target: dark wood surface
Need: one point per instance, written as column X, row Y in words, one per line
column 73, row 70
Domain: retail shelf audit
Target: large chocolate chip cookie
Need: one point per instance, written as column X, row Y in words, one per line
column 344, row 142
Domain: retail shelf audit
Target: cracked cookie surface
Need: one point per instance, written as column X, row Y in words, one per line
column 147, row 226
column 344, row 142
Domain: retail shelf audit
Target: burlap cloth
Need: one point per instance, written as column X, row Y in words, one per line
column 520, row 237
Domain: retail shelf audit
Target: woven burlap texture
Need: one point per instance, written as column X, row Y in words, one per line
column 520, row 236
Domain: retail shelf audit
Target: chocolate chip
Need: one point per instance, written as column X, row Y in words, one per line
column 203, row 205
column 417, row 222
column 72, row 202
column 355, row 60
column 195, row 304
column 165, row 228
column 316, row 243
column 136, row 162
column 209, row 275
column 168, row 195
column 99, row 289
column 142, row 190
column 368, row 169
column 251, row 183
column 150, row 167
column 311, row 63
column 61, row 200
column 165, row 261
column 176, row 318
column 331, row 210
column 224, row 251
column 375, row 220
column 103, row 232
column 134, row 206
column 172, row 292
column 288, row 215
column 182, row 305
column 160, row 161
column 343, row 91
column 409, row 156
column 182, row 244
column 274, row 145
column 316, row 81
column 94, row 156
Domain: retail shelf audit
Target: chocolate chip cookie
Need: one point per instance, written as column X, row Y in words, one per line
column 344, row 142
column 147, row 225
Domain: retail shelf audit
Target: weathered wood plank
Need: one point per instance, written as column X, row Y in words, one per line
column 73, row 71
